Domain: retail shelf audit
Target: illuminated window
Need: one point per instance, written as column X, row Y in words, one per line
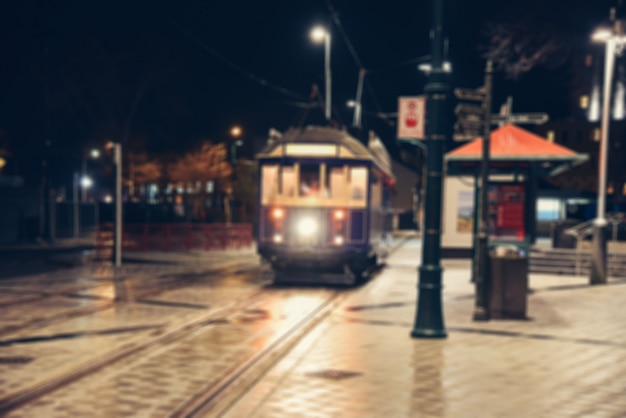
column 269, row 183
column 287, row 181
column 550, row 136
column 588, row 60
column 584, row 101
column 548, row 209
column 358, row 183
column 335, row 182
column 309, row 180
column 596, row 134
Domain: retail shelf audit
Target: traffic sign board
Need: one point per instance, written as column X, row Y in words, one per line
column 468, row 109
column 465, row 137
column 469, row 125
column 530, row 118
column 470, row 94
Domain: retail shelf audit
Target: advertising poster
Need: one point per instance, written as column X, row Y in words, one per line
column 465, row 212
column 506, row 212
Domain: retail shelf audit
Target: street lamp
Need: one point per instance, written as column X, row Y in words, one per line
column 117, row 245
column 94, row 154
column 614, row 41
column 235, row 133
column 429, row 322
column 319, row 34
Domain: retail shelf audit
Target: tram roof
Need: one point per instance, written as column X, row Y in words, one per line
column 375, row 152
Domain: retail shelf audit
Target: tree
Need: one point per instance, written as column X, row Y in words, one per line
column 142, row 170
column 193, row 170
column 245, row 188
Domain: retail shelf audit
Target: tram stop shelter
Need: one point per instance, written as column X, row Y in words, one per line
column 518, row 159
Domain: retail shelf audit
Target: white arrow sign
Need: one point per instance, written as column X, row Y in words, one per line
column 531, row 118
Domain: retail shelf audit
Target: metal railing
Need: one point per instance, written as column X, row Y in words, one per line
column 582, row 231
column 175, row 237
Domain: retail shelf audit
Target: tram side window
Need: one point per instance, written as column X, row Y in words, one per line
column 358, row 183
column 269, row 177
column 287, row 181
column 336, row 182
column 309, row 180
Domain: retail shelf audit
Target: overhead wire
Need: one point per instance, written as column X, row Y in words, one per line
column 352, row 50
column 228, row 62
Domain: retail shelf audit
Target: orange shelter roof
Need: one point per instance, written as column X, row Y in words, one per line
column 512, row 146
column 513, row 142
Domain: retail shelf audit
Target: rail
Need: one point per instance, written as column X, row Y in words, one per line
column 584, row 230
column 175, row 237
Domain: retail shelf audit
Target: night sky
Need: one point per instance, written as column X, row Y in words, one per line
column 164, row 75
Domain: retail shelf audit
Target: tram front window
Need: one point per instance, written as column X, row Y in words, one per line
column 309, row 180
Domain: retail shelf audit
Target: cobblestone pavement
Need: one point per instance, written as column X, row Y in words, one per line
column 568, row 359
column 33, row 355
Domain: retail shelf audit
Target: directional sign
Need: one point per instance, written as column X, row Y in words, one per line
column 477, row 95
column 464, row 137
column 521, row 118
column 469, row 124
column 464, row 109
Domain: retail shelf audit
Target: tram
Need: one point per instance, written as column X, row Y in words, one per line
column 324, row 203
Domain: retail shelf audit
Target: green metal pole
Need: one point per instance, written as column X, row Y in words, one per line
column 483, row 278
column 429, row 314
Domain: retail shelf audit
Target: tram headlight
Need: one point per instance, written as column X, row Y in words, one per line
column 307, row 227
column 338, row 240
column 339, row 215
column 278, row 213
column 278, row 238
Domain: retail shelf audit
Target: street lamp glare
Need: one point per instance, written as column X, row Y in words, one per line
column 318, row 33
column 236, row 131
column 86, row 182
column 602, row 35
column 351, row 103
column 95, row 153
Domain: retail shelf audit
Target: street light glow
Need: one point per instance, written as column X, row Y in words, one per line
column 318, row 34
column 86, row 182
column 602, row 35
column 95, row 153
column 236, row 131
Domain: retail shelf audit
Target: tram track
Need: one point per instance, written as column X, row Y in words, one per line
column 217, row 394
column 157, row 336
column 143, row 288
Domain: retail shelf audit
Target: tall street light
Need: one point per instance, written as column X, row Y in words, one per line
column 117, row 243
column 235, row 133
column 319, row 34
column 429, row 321
column 614, row 41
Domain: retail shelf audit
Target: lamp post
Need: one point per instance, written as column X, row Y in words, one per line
column 319, row 34
column 93, row 154
column 429, row 321
column 614, row 41
column 235, row 133
column 117, row 245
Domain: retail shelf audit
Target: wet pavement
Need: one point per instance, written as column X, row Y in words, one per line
column 568, row 358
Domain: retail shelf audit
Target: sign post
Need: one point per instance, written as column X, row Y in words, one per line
column 411, row 117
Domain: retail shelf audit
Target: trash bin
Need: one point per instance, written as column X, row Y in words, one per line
column 559, row 238
column 509, row 283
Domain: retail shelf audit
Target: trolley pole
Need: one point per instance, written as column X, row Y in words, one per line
column 429, row 321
